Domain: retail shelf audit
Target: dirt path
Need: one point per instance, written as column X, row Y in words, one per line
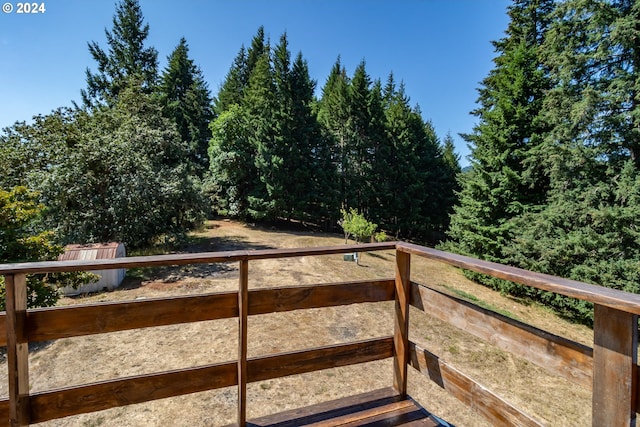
column 87, row 359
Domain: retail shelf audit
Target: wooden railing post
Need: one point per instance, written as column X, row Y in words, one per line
column 243, row 308
column 17, row 349
column 615, row 354
column 401, row 350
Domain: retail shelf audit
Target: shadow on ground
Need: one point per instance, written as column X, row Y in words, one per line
column 195, row 244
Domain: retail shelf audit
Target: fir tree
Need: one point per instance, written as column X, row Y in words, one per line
column 260, row 106
column 594, row 54
column 500, row 187
column 451, row 158
column 313, row 186
column 587, row 228
column 333, row 113
column 126, row 57
column 232, row 89
column 297, row 134
column 360, row 141
column 187, row 101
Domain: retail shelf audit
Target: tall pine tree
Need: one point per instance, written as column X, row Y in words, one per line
column 260, row 105
column 588, row 228
column 126, row 57
column 232, row 89
column 187, row 101
column 500, row 185
column 333, row 113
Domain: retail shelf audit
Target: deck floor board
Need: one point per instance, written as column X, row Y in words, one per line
column 378, row 408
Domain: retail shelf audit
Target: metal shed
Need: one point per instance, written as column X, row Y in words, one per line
column 109, row 279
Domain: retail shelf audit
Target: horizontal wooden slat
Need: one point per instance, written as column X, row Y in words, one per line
column 61, row 322
column 188, row 258
column 298, row 362
column 613, row 298
column 109, row 394
column 558, row 355
column 493, row 408
column 315, row 296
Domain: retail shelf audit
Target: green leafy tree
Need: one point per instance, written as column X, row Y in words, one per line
column 28, row 149
column 21, row 242
column 232, row 171
column 126, row 57
column 356, row 225
column 126, row 178
column 187, row 101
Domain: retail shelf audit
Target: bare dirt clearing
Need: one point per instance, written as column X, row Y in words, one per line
column 81, row 360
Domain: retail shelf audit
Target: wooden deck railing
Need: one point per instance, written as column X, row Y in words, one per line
column 609, row 368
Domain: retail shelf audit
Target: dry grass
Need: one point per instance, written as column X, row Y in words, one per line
column 87, row 359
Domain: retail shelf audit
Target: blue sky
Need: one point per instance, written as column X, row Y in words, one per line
column 441, row 49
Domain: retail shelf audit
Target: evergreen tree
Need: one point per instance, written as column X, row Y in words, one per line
column 351, row 111
column 333, row 113
column 363, row 132
column 187, row 101
column 501, row 185
column 451, row 158
column 298, row 139
column 587, row 229
column 413, row 200
column 377, row 152
column 594, row 54
column 284, row 153
column 126, row 57
column 451, row 174
column 260, row 105
column 259, row 48
column 437, row 205
column 246, row 137
column 232, row 89
column 314, row 192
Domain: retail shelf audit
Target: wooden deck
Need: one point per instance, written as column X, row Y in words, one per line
column 384, row 407
column 609, row 369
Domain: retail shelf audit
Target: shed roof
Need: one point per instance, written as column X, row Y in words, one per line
column 90, row 251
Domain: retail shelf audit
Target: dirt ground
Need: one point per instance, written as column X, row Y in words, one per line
column 74, row 361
